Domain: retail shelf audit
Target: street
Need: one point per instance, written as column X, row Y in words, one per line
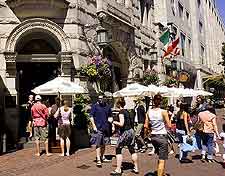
column 24, row 163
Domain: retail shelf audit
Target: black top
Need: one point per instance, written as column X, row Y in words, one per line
column 180, row 123
column 141, row 114
column 127, row 120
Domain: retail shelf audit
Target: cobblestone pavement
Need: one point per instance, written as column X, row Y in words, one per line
column 24, row 163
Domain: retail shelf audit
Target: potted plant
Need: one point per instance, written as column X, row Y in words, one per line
column 171, row 82
column 150, row 77
column 97, row 70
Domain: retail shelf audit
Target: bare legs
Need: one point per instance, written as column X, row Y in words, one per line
column 67, row 146
column 38, row 148
column 161, row 168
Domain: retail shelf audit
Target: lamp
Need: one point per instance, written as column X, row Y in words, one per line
column 174, row 65
column 102, row 36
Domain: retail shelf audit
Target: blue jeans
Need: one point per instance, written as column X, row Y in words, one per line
column 208, row 142
column 199, row 137
column 180, row 134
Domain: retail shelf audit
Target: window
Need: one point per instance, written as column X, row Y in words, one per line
column 173, row 8
column 146, row 64
column 202, row 55
column 188, row 17
column 142, row 3
column 199, row 3
column 181, row 10
column 189, row 49
column 183, row 38
column 200, row 27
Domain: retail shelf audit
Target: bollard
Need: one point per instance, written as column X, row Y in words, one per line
column 4, row 143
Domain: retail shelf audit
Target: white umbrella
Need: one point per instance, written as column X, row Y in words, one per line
column 57, row 86
column 132, row 90
column 153, row 89
column 180, row 92
column 203, row 93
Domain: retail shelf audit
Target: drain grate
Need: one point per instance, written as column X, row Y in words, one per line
column 83, row 166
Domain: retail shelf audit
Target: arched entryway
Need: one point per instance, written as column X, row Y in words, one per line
column 37, row 50
column 36, row 62
column 119, row 68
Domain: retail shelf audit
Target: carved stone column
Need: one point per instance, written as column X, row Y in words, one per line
column 99, row 5
column 128, row 3
column 66, row 63
column 145, row 17
column 150, row 18
column 10, row 58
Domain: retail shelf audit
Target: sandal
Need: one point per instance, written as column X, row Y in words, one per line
column 99, row 163
column 134, row 170
column 115, row 173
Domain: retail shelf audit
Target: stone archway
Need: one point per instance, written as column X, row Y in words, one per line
column 52, row 33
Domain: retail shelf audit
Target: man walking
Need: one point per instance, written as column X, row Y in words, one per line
column 100, row 112
column 39, row 113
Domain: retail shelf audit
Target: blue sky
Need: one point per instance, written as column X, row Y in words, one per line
column 221, row 6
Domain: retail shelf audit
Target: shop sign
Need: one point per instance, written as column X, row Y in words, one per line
column 183, row 76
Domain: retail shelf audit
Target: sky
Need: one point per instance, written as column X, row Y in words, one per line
column 221, row 6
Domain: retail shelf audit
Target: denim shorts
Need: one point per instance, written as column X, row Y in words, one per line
column 160, row 143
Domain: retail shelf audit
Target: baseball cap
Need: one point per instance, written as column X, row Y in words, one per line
column 37, row 97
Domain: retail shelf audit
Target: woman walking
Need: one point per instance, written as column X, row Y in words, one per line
column 126, row 138
column 64, row 115
column 182, row 129
column 159, row 119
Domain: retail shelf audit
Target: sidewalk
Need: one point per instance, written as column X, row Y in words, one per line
column 24, row 163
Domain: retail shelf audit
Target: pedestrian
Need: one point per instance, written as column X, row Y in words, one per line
column 29, row 104
column 126, row 138
column 65, row 116
column 40, row 115
column 209, row 126
column 222, row 135
column 99, row 115
column 158, row 119
column 139, row 121
column 182, row 129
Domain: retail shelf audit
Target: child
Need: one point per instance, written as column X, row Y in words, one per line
column 222, row 135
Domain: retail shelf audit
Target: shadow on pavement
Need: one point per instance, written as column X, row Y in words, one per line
column 154, row 174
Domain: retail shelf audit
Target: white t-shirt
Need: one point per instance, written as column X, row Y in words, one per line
column 223, row 136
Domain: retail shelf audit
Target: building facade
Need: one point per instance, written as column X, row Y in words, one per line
column 201, row 31
column 40, row 40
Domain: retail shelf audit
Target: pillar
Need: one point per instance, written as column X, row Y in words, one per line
column 145, row 17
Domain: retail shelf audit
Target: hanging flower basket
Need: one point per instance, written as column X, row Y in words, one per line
column 97, row 70
column 171, row 82
column 150, row 77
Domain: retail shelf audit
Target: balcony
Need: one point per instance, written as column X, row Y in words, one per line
column 119, row 9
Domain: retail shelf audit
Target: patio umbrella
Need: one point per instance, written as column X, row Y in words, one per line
column 153, row 89
column 57, row 86
column 203, row 93
column 132, row 90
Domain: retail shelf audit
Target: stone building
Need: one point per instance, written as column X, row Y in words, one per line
column 41, row 39
column 201, row 31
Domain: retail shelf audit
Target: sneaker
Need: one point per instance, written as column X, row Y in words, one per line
column 99, row 164
column 171, row 152
column 134, row 170
column 115, row 173
column 151, row 152
column 210, row 161
column 105, row 160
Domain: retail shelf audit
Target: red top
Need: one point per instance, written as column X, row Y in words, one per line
column 40, row 114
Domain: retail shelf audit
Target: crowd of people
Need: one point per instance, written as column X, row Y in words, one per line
column 179, row 127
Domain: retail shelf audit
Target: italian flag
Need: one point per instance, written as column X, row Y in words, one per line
column 172, row 48
column 169, row 47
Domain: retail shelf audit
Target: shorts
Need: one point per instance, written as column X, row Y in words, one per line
column 64, row 131
column 41, row 133
column 99, row 139
column 160, row 143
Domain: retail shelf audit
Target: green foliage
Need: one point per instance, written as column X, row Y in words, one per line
column 165, row 102
column 223, row 56
column 150, row 77
column 170, row 82
column 81, row 117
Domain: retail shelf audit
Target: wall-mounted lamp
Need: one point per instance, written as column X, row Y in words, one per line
column 102, row 36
